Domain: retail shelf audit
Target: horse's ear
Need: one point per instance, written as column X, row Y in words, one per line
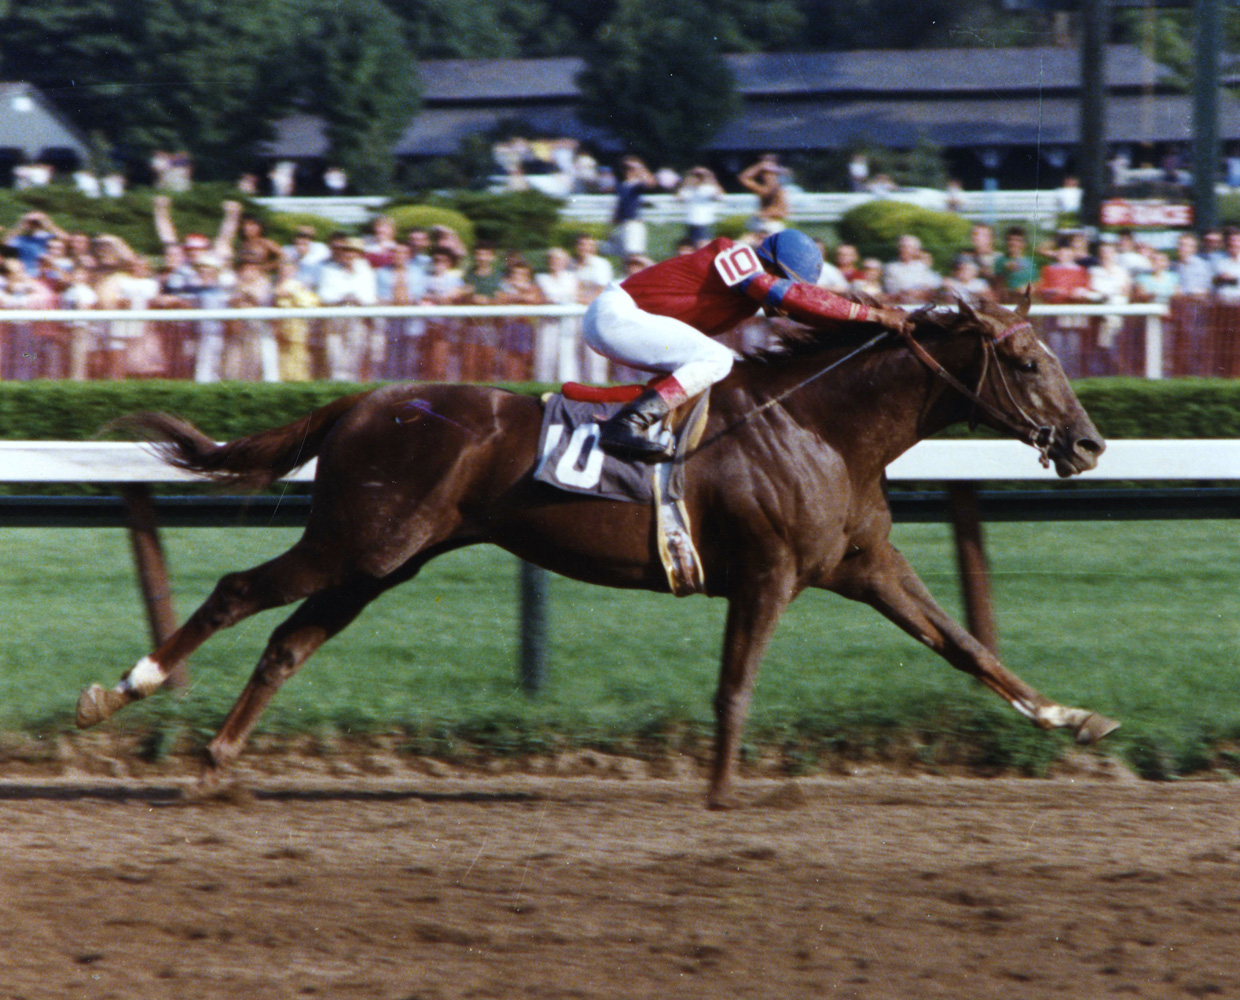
column 1026, row 298
column 966, row 309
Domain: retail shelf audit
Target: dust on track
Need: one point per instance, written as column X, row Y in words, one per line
column 352, row 880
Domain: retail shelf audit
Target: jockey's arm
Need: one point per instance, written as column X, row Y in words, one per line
column 814, row 306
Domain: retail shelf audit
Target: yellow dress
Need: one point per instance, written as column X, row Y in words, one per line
column 293, row 335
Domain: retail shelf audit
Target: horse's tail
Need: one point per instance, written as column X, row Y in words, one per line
column 252, row 462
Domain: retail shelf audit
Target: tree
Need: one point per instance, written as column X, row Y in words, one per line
column 201, row 75
column 759, row 25
column 358, row 76
column 897, row 24
column 655, row 79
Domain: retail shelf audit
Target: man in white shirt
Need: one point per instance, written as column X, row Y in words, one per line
column 346, row 279
column 909, row 278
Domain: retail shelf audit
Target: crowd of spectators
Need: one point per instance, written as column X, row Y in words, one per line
column 45, row 267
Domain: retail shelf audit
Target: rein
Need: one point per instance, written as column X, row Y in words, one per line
column 1040, row 436
column 776, row 400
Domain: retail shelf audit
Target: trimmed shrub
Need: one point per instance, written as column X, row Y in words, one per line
column 875, row 226
column 282, row 226
column 733, row 226
column 407, row 217
column 567, row 230
column 522, row 220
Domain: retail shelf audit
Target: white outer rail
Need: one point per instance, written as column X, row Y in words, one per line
column 929, row 461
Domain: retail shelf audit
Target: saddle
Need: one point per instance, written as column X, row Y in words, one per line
column 570, row 459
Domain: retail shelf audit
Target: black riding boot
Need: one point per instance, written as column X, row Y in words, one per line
column 627, row 434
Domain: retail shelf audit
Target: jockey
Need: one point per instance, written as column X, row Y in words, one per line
column 662, row 319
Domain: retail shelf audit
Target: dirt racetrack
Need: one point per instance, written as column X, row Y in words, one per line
column 379, row 880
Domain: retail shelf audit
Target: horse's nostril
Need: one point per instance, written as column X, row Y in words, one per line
column 1089, row 446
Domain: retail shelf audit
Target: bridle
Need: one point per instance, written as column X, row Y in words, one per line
column 1040, row 436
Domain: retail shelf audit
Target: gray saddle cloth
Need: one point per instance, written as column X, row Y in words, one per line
column 570, row 457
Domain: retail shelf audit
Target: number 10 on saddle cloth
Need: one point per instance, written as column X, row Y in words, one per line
column 570, row 459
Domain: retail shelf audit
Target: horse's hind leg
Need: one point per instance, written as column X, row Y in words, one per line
column 287, row 578
column 290, row 645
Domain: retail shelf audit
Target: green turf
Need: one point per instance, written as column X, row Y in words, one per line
column 1136, row 620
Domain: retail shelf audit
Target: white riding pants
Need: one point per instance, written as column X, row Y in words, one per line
column 616, row 328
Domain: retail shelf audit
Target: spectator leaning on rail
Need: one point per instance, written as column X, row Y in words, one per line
column 347, row 280
column 1065, row 281
column 1015, row 269
column 293, row 334
column 965, row 283
column 910, row 279
column 308, row 254
column 594, row 271
column 251, row 351
column 982, row 249
column 556, row 345
column 1160, row 283
column 662, row 320
column 1227, row 269
column 1195, row 273
column 1111, row 284
column 831, row 277
column 30, row 344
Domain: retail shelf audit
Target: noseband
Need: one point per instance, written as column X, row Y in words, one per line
column 1040, row 436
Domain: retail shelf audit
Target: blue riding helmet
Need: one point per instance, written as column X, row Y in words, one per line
column 794, row 253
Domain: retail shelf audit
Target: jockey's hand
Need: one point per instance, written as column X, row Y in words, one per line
column 890, row 317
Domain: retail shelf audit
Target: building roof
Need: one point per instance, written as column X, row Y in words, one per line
column 818, row 100
column 30, row 123
column 784, row 74
column 1049, row 121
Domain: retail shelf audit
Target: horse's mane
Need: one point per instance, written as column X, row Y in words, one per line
column 793, row 341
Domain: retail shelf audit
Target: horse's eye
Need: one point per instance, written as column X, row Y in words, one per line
column 1027, row 365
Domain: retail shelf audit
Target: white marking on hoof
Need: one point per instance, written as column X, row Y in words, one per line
column 98, row 703
column 145, row 678
column 1059, row 717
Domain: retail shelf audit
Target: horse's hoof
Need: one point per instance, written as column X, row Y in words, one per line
column 96, row 704
column 1094, row 728
column 214, row 786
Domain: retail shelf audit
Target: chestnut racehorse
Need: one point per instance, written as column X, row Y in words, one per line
column 785, row 492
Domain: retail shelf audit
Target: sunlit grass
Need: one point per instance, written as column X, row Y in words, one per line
column 1137, row 620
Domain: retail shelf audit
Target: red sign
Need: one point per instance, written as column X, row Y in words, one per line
column 1146, row 214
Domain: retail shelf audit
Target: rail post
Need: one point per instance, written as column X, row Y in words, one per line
column 1153, row 346
column 152, row 569
column 971, row 562
column 533, row 591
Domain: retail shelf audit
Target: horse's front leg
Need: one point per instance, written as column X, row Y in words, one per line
column 885, row 580
column 754, row 609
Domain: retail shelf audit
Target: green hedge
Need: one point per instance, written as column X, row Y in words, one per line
column 524, row 220
column 875, row 228
column 1122, row 408
column 70, row 411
